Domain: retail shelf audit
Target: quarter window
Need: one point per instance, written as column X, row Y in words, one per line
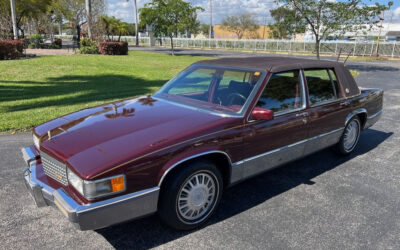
column 322, row 85
column 282, row 93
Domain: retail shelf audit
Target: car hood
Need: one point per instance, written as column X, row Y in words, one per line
column 93, row 140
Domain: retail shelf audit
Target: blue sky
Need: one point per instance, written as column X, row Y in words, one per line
column 222, row 8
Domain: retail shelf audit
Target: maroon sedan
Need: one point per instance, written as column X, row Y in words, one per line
column 216, row 123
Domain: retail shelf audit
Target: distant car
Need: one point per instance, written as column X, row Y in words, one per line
column 213, row 125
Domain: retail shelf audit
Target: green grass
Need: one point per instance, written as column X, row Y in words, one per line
column 36, row 90
column 33, row 91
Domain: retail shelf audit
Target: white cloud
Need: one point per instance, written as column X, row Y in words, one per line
column 221, row 9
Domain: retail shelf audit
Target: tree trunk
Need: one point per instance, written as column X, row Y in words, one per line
column 172, row 45
column 317, row 46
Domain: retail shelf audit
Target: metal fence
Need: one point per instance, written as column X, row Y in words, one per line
column 389, row 49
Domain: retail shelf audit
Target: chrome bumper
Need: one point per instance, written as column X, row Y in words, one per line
column 94, row 215
column 372, row 119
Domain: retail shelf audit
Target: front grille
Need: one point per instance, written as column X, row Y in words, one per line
column 54, row 169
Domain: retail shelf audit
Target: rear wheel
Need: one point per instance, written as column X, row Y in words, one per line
column 350, row 137
column 191, row 195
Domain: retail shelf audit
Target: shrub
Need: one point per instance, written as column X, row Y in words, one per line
column 88, row 46
column 58, row 42
column 36, row 41
column 11, row 49
column 113, row 48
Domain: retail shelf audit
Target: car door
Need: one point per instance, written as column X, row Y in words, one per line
column 268, row 144
column 327, row 110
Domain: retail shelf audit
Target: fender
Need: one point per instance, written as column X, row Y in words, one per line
column 176, row 161
column 355, row 112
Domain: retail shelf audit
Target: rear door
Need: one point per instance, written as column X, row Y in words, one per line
column 271, row 143
column 327, row 109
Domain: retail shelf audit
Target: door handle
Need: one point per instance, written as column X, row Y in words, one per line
column 304, row 114
column 345, row 103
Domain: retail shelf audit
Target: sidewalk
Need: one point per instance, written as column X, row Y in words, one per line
column 49, row 52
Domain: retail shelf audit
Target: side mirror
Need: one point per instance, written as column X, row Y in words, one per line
column 259, row 113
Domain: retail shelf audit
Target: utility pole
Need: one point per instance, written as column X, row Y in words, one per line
column 209, row 34
column 136, row 23
column 14, row 19
column 88, row 6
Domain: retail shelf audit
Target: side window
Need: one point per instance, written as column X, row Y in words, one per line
column 322, row 85
column 283, row 92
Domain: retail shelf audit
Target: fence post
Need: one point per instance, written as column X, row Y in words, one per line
column 365, row 49
column 265, row 45
column 372, row 48
column 290, row 46
column 394, row 46
column 336, row 48
column 277, row 46
column 354, row 50
column 304, row 49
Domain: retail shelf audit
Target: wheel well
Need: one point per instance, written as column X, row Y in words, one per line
column 363, row 119
column 221, row 161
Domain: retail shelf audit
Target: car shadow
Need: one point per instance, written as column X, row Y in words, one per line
column 150, row 232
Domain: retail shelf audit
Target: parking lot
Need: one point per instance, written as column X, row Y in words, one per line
column 320, row 202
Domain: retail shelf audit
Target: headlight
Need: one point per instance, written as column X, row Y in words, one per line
column 95, row 189
column 36, row 141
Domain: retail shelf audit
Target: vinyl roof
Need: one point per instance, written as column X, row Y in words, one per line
column 273, row 64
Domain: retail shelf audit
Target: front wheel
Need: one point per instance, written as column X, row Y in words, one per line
column 350, row 137
column 191, row 195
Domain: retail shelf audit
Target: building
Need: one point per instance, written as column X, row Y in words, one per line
column 261, row 33
column 392, row 36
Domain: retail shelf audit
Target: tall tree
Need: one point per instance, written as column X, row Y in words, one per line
column 170, row 17
column 287, row 23
column 327, row 17
column 240, row 24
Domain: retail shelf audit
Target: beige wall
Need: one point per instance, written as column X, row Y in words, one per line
column 220, row 33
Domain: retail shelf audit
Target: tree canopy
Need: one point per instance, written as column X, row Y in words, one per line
column 287, row 23
column 325, row 18
column 170, row 17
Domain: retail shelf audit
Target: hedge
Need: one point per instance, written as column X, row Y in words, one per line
column 113, row 48
column 11, row 49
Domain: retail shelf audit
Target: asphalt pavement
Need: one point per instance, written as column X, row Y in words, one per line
column 320, row 202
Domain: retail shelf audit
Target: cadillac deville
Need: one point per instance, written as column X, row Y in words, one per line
column 216, row 123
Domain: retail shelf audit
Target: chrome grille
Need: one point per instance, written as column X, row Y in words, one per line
column 54, row 169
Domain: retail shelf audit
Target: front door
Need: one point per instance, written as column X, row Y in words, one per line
column 271, row 143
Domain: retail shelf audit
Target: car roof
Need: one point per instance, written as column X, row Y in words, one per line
column 272, row 64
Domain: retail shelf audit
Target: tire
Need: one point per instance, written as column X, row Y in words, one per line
column 349, row 140
column 178, row 197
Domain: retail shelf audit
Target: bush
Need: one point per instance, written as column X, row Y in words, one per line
column 88, row 46
column 113, row 48
column 36, row 41
column 58, row 42
column 11, row 49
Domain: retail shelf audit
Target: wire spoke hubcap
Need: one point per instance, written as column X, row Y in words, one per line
column 351, row 135
column 197, row 196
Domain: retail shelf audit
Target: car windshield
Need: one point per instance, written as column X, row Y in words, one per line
column 219, row 89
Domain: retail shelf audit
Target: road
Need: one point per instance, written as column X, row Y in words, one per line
column 320, row 202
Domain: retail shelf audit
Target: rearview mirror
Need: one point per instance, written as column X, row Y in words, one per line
column 259, row 113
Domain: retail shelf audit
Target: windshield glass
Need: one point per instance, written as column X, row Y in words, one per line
column 219, row 89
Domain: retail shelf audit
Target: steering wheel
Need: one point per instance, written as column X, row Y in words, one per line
column 234, row 96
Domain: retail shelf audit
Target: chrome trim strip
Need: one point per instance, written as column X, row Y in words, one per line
column 192, row 157
column 375, row 115
column 327, row 102
column 285, row 147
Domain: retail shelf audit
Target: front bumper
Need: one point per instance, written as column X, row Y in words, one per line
column 89, row 216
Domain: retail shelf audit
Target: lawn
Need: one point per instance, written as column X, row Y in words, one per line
column 36, row 90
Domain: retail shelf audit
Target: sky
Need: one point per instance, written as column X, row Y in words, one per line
column 222, row 8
